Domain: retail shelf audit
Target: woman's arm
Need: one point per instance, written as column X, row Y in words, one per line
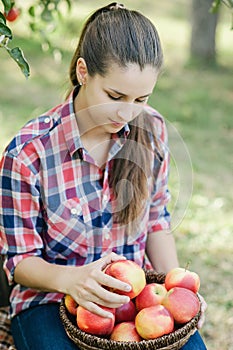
column 161, row 251
column 86, row 284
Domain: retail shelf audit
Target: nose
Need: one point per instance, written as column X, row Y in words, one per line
column 127, row 112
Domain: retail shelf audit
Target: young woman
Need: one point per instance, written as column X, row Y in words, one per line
column 85, row 184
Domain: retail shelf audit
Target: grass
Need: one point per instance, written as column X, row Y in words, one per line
column 197, row 105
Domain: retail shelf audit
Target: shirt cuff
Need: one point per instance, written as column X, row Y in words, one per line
column 11, row 263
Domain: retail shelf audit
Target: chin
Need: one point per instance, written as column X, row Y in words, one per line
column 117, row 128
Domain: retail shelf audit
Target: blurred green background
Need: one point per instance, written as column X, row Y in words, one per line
column 197, row 103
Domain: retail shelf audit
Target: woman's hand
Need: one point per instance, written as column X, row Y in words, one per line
column 87, row 285
column 203, row 309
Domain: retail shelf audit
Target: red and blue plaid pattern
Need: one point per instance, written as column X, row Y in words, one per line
column 56, row 203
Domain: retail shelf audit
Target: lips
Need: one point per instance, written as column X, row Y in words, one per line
column 117, row 124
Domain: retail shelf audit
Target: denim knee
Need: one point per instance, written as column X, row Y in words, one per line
column 40, row 328
column 195, row 342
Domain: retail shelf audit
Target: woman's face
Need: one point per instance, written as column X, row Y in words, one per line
column 108, row 103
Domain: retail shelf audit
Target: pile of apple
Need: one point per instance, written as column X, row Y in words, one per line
column 153, row 310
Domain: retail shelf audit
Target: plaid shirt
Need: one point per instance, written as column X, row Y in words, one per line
column 56, row 203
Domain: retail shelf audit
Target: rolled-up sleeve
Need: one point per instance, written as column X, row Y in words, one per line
column 20, row 213
column 159, row 217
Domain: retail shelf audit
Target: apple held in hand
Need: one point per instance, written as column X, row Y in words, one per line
column 125, row 331
column 126, row 312
column 153, row 322
column 92, row 323
column 152, row 294
column 180, row 277
column 130, row 272
column 182, row 303
column 71, row 304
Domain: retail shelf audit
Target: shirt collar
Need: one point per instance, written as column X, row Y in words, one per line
column 71, row 130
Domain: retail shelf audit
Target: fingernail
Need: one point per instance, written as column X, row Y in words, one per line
column 128, row 288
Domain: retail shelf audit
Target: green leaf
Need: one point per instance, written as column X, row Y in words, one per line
column 17, row 55
column 7, row 5
column 215, row 6
column 4, row 30
column 33, row 26
column 69, row 4
column 2, row 18
column 31, row 11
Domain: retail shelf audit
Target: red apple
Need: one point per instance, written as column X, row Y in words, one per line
column 182, row 303
column 152, row 294
column 153, row 322
column 126, row 312
column 125, row 331
column 130, row 272
column 71, row 304
column 92, row 323
column 180, row 277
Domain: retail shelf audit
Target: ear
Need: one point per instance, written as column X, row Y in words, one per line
column 81, row 70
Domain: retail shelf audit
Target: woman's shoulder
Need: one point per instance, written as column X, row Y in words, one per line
column 158, row 120
column 157, row 116
column 34, row 128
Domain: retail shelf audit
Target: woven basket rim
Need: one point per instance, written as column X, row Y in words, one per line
column 171, row 341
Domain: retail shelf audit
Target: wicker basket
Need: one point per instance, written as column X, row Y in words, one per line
column 172, row 341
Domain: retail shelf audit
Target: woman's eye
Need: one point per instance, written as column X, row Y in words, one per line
column 114, row 98
column 120, row 97
column 141, row 101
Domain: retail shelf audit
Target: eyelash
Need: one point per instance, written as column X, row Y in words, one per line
column 114, row 98
column 118, row 98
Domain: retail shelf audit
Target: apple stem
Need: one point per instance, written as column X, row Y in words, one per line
column 187, row 265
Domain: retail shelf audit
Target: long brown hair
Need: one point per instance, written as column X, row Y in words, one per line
column 114, row 34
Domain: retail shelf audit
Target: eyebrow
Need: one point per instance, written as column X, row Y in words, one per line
column 122, row 94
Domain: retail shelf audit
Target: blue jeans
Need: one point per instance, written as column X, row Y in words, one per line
column 40, row 328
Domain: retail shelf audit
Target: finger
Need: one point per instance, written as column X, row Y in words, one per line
column 203, row 303
column 92, row 307
column 108, row 259
column 103, row 262
column 113, row 283
column 105, row 295
column 201, row 321
column 108, row 299
column 116, row 257
column 111, row 299
column 107, row 303
column 95, row 292
column 203, row 306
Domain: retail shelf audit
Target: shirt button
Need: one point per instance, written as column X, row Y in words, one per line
column 46, row 120
column 105, row 198
column 106, row 235
column 73, row 211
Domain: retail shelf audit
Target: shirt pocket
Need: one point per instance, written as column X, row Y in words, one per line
column 66, row 229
